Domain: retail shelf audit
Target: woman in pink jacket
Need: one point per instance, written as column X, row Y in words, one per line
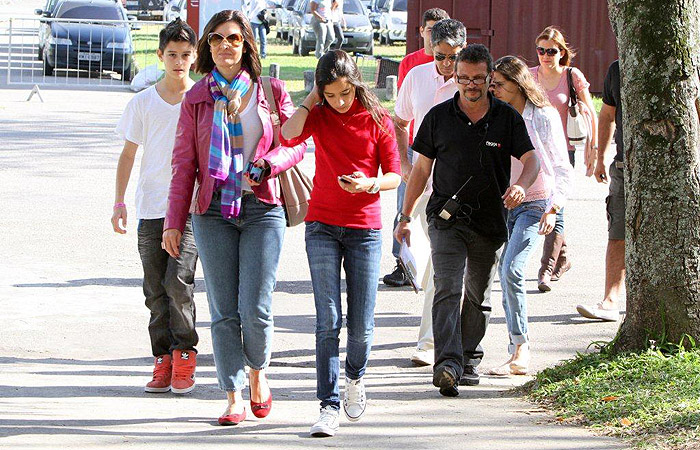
column 239, row 219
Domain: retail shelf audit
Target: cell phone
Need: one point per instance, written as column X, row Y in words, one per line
column 254, row 172
column 344, row 178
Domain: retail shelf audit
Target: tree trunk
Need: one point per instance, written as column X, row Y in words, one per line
column 658, row 45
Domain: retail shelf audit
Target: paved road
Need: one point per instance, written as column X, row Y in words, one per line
column 74, row 352
column 74, row 348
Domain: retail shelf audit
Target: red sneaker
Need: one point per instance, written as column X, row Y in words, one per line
column 184, row 365
column 162, row 372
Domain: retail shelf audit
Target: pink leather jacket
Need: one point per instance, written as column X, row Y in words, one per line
column 191, row 152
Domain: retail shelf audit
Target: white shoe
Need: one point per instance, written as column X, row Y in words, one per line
column 354, row 399
column 327, row 423
column 598, row 312
column 423, row 357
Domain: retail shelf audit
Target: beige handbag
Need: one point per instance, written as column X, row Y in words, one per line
column 295, row 186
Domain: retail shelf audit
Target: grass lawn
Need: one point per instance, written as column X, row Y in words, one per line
column 292, row 67
column 651, row 398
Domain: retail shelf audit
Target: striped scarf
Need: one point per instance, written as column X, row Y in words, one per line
column 226, row 147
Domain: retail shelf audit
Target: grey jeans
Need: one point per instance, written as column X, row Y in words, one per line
column 461, row 258
column 324, row 35
column 168, row 285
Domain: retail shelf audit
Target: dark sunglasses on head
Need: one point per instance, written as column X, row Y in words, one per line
column 234, row 39
column 464, row 80
column 441, row 57
column 548, row 51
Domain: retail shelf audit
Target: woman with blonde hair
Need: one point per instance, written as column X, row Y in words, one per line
column 555, row 56
column 536, row 215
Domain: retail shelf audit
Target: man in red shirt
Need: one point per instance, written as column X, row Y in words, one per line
column 421, row 56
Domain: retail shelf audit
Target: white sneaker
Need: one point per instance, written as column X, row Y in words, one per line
column 327, row 423
column 354, row 399
column 598, row 312
column 423, row 357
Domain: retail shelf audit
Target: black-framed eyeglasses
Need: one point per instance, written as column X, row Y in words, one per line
column 549, row 51
column 442, row 56
column 477, row 81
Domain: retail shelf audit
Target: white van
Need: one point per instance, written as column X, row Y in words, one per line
column 392, row 20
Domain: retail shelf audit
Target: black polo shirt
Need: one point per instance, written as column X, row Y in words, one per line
column 481, row 150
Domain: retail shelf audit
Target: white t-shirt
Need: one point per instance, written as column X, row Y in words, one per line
column 422, row 89
column 255, row 7
column 151, row 122
column 252, row 131
column 324, row 8
column 337, row 13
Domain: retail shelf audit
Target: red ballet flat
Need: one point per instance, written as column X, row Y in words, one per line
column 260, row 410
column 232, row 419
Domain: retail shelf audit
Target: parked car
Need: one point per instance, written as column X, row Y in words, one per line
column 48, row 12
column 175, row 9
column 282, row 13
column 393, row 17
column 83, row 45
column 358, row 34
column 146, row 9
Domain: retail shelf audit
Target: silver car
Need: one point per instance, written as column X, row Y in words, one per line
column 175, row 9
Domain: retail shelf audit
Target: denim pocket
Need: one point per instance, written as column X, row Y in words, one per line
column 537, row 205
column 312, row 227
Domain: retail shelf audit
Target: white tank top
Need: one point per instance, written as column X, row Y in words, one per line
column 252, row 131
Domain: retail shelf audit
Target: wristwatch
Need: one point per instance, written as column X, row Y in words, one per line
column 375, row 187
column 555, row 208
column 404, row 218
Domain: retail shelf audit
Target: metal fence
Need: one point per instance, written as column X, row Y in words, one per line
column 71, row 52
column 375, row 69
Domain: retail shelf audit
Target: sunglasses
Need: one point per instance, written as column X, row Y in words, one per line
column 234, row 40
column 441, row 57
column 548, row 51
column 478, row 81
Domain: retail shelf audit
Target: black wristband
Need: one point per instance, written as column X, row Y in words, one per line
column 304, row 106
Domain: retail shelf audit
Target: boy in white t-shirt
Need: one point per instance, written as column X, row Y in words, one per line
column 150, row 120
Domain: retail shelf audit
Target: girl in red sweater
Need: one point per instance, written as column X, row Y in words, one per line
column 354, row 138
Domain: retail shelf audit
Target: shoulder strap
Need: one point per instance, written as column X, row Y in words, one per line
column 271, row 100
column 274, row 111
column 573, row 98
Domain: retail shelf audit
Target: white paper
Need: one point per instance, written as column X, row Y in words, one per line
column 408, row 263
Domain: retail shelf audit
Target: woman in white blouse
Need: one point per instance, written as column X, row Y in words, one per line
column 513, row 83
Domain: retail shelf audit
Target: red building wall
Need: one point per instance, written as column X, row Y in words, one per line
column 509, row 27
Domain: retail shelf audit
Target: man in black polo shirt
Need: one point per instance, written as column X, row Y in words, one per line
column 470, row 139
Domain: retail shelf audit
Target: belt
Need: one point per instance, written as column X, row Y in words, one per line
column 620, row 164
column 244, row 192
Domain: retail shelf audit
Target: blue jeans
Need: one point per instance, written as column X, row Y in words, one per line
column 523, row 227
column 259, row 32
column 239, row 257
column 559, row 225
column 358, row 251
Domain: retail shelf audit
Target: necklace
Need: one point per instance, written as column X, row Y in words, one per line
column 345, row 122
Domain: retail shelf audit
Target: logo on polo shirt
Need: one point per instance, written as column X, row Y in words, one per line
column 493, row 144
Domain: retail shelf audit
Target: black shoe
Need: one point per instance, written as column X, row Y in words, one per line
column 470, row 376
column 445, row 378
column 396, row 278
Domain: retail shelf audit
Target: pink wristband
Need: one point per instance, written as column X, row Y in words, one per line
column 119, row 205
